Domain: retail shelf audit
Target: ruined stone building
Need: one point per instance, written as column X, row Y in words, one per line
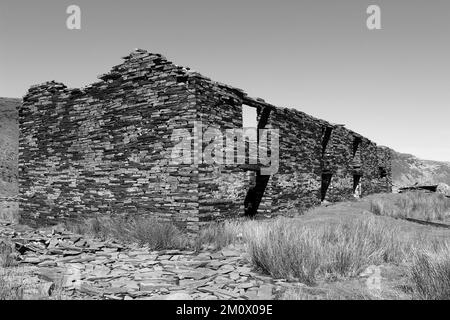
column 105, row 149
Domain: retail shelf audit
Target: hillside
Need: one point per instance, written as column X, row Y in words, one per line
column 408, row 170
column 9, row 135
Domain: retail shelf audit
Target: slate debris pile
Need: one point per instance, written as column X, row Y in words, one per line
column 92, row 269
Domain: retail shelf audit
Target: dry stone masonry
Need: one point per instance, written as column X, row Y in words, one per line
column 106, row 149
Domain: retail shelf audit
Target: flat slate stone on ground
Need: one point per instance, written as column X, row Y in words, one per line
column 88, row 268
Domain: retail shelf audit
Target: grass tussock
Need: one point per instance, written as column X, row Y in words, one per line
column 155, row 234
column 159, row 235
column 7, row 258
column 11, row 281
column 328, row 249
column 416, row 205
column 430, row 273
column 218, row 235
column 11, row 284
column 288, row 249
column 335, row 292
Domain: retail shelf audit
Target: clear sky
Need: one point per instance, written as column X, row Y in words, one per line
column 391, row 85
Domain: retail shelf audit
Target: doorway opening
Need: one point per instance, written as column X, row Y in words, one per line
column 255, row 194
column 326, row 180
column 382, row 172
column 357, row 185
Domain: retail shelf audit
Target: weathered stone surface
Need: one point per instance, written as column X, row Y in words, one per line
column 107, row 149
column 231, row 253
column 443, row 189
column 265, row 292
column 224, row 294
column 93, row 276
column 178, row 296
column 46, row 288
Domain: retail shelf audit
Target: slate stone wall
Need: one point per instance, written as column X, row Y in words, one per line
column 296, row 186
column 108, row 149
column 222, row 188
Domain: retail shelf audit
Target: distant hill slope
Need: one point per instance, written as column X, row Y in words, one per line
column 408, row 170
column 9, row 136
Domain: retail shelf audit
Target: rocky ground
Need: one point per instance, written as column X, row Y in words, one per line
column 84, row 268
column 54, row 263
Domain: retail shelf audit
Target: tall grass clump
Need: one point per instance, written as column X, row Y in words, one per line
column 11, row 284
column 220, row 234
column 162, row 235
column 158, row 235
column 10, row 287
column 287, row 249
column 416, row 205
column 6, row 255
column 155, row 234
column 283, row 251
column 430, row 273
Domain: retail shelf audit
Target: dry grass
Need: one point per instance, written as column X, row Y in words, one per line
column 162, row 235
column 217, row 235
column 6, row 254
column 319, row 246
column 416, row 205
column 155, row 234
column 289, row 249
column 430, row 273
column 11, row 284
column 337, row 291
column 328, row 244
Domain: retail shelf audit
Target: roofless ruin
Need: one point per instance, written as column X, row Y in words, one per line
column 108, row 149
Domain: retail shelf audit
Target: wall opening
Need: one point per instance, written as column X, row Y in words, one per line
column 326, row 138
column 257, row 182
column 250, row 125
column 255, row 194
column 251, row 178
column 249, row 117
column 382, row 172
column 357, row 185
column 356, row 142
column 326, row 180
